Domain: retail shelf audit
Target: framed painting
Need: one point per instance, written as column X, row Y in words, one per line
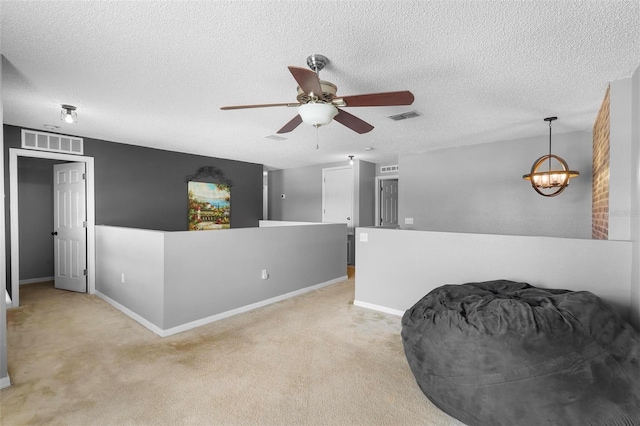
column 209, row 206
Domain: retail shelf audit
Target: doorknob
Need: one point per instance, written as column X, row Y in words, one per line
column 54, row 233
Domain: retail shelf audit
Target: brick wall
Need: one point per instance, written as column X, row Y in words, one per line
column 600, row 184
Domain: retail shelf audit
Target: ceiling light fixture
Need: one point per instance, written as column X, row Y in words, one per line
column 68, row 114
column 555, row 179
column 351, row 160
column 317, row 113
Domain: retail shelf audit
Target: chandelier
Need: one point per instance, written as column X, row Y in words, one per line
column 550, row 174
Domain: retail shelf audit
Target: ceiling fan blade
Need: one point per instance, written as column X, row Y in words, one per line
column 307, row 80
column 258, row 106
column 352, row 122
column 295, row 122
column 379, row 99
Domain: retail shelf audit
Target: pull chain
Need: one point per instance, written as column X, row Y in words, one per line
column 317, row 145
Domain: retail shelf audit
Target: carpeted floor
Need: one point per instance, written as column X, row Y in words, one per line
column 312, row 360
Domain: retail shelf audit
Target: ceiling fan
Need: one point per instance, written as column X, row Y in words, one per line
column 318, row 103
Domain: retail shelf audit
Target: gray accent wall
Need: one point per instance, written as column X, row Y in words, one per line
column 479, row 189
column 365, row 187
column 145, row 188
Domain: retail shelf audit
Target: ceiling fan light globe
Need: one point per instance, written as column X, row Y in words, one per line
column 317, row 113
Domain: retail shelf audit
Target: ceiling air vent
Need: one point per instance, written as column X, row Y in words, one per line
column 389, row 169
column 404, row 115
column 52, row 142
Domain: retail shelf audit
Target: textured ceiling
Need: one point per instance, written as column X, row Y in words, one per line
column 156, row 73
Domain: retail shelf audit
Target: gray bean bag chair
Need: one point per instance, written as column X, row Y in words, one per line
column 507, row 353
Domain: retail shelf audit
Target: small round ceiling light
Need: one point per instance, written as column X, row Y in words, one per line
column 552, row 179
column 68, row 114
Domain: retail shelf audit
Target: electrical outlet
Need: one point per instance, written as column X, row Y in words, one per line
column 364, row 237
column 408, row 221
column 265, row 274
column 122, row 278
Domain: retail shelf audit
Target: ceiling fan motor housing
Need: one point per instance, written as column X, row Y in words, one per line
column 329, row 91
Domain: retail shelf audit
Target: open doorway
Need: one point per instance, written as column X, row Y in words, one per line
column 15, row 215
column 387, row 201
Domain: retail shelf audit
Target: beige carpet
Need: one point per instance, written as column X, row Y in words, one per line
column 312, row 360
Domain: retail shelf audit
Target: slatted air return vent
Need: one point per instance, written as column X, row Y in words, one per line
column 51, row 142
column 404, row 116
column 389, row 169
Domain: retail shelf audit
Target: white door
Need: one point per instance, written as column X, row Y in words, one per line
column 337, row 195
column 389, row 202
column 69, row 227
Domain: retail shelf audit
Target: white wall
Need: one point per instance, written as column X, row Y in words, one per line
column 480, row 189
column 212, row 272
column 620, row 116
column 277, row 223
column 635, row 198
column 302, row 187
column 175, row 281
column 139, row 255
column 396, row 268
column 4, row 375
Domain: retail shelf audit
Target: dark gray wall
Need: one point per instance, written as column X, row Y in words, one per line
column 366, row 203
column 145, row 188
column 479, row 189
column 35, row 203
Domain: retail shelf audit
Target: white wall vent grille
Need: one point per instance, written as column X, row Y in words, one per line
column 51, row 142
column 389, row 169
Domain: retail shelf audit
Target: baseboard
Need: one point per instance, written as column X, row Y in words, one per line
column 128, row 312
column 217, row 317
column 36, row 280
column 378, row 308
column 5, row 382
column 247, row 308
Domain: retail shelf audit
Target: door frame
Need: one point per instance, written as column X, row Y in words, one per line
column 377, row 201
column 14, row 153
